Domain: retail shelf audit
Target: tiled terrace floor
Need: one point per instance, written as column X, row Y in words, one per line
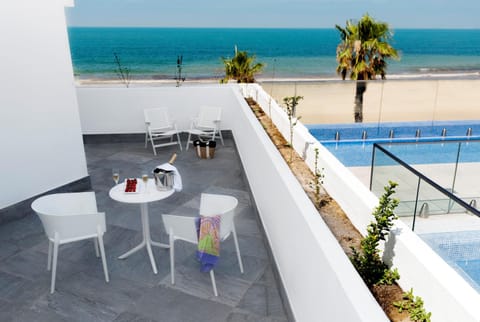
column 134, row 292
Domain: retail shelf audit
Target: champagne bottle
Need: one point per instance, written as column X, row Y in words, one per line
column 173, row 158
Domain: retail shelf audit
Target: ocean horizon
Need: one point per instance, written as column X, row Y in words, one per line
column 300, row 54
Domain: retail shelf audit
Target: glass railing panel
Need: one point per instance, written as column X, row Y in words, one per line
column 467, row 178
column 327, row 102
column 434, row 209
column 422, row 197
column 407, row 101
column 453, row 165
column 460, row 95
column 442, row 213
column 383, row 101
column 434, row 160
column 387, row 169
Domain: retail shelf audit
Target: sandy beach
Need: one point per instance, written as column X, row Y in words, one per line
column 332, row 101
column 384, row 101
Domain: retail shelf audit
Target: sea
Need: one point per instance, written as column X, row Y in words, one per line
column 153, row 53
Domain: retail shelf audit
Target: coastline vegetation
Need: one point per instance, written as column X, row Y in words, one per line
column 362, row 53
column 242, row 67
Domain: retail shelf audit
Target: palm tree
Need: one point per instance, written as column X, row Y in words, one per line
column 241, row 67
column 362, row 53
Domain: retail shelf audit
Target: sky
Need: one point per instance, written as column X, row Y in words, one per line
column 273, row 13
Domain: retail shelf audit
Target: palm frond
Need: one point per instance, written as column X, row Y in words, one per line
column 364, row 48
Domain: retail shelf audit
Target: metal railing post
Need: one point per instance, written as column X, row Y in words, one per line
column 416, row 204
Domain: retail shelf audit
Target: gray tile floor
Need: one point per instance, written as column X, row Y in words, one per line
column 134, row 292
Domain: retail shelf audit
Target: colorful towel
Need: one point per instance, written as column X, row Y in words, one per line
column 208, row 229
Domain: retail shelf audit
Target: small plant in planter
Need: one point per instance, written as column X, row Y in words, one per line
column 318, row 180
column 368, row 261
column 291, row 103
column 414, row 306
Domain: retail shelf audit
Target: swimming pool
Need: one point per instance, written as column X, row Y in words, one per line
column 353, row 151
column 461, row 250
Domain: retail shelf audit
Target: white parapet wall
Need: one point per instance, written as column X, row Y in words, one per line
column 447, row 295
column 319, row 280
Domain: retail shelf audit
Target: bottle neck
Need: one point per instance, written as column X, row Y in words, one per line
column 173, row 158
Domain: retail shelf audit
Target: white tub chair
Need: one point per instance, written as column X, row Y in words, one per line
column 70, row 217
column 183, row 228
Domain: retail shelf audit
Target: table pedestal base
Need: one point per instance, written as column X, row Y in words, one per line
column 147, row 240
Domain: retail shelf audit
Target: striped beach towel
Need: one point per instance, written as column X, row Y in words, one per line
column 208, row 229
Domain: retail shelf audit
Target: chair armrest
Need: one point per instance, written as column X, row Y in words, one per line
column 181, row 227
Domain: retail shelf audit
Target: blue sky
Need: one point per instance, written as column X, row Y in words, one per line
column 273, row 13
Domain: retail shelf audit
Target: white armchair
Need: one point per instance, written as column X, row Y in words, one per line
column 70, row 217
column 183, row 228
column 206, row 125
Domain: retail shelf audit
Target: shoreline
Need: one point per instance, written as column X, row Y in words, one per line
column 154, row 79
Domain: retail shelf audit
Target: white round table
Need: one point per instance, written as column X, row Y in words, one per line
column 143, row 198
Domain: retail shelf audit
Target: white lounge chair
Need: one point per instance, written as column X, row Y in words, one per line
column 159, row 126
column 206, row 125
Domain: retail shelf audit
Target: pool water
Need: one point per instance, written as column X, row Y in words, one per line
column 472, row 269
column 353, row 151
column 461, row 250
column 359, row 153
column 355, row 131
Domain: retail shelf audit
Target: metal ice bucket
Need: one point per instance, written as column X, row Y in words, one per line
column 163, row 179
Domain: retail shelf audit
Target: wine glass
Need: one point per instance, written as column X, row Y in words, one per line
column 145, row 179
column 116, row 175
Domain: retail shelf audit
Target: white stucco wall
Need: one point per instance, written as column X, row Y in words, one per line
column 120, row 110
column 40, row 137
column 319, row 280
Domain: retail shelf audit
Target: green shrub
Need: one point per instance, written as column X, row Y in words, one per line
column 414, row 306
column 367, row 261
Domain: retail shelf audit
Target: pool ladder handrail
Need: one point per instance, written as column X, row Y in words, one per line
column 364, row 135
column 424, row 210
column 337, row 136
column 469, row 132
column 444, row 132
column 391, row 134
column 418, row 133
column 473, row 204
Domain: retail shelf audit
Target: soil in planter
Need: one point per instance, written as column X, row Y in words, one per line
column 333, row 215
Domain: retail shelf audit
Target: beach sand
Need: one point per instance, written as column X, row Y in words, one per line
column 332, row 101
column 384, row 101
